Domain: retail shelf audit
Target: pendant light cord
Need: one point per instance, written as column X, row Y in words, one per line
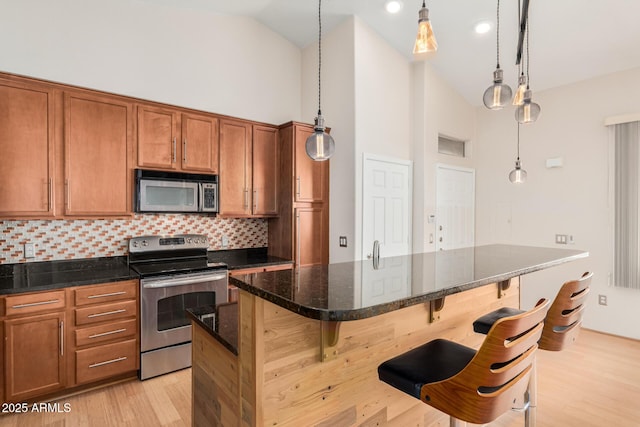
column 319, row 52
column 527, row 52
column 518, row 150
column 498, row 35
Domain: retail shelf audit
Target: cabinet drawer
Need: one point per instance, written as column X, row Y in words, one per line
column 108, row 332
column 105, row 312
column 106, row 361
column 106, row 293
column 34, row 303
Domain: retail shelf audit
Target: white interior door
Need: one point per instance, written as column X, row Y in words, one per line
column 387, row 205
column 455, row 207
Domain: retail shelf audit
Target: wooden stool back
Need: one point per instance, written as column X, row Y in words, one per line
column 562, row 325
column 497, row 375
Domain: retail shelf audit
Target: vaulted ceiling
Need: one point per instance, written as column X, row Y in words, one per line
column 570, row 40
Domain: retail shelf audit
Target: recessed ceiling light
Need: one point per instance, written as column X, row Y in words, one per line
column 483, row 27
column 393, row 6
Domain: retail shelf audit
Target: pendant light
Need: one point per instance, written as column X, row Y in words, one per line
column 498, row 94
column 320, row 146
column 518, row 175
column 527, row 112
column 425, row 40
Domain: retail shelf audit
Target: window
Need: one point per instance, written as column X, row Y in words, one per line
column 626, row 182
column 451, row 146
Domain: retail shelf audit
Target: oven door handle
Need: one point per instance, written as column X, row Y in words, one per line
column 182, row 281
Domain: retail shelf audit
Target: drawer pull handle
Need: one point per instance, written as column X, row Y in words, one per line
column 106, row 313
column 34, row 304
column 61, row 338
column 107, row 362
column 112, row 294
column 104, row 334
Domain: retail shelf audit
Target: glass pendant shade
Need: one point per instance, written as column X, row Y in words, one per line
column 498, row 95
column 529, row 111
column 425, row 40
column 518, row 175
column 320, row 145
column 518, row 98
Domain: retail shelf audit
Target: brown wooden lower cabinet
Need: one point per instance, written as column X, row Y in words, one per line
column 34, row 355
column 57, row 340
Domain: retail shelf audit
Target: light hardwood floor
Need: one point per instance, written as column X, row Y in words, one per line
column 596, row 382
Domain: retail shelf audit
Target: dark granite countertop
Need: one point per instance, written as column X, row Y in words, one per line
column 357, row 290
column 246, row 258
column 48, row 275
column 221, row 322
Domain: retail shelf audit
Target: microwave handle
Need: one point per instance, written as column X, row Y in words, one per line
column 200, row 197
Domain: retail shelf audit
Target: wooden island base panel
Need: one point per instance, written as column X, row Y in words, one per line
column 291, row 369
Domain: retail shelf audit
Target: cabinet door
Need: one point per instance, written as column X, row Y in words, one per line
column 157, row 137
column 97, row 135
column 34, row 355
column 309, row 237
column 27, row 146
column 235, row 168
column 309, row 174
column 199, row 143
column 265, row 171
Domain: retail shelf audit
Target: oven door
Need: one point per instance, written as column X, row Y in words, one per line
column 167, row 196
column 163, row 301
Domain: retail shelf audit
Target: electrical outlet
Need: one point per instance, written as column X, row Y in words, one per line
column 343, row 241
column 561, row 239
column 29, row 250
column 602, row 299
column 225, row 241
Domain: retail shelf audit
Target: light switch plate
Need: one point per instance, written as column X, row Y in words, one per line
column 343, row 241
column 29, row 250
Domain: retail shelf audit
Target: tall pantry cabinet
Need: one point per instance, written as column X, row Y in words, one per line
column 301, row 232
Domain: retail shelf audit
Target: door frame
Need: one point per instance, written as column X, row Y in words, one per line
column 396, row 161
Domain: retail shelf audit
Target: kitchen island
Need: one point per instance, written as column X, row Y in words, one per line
column 308, row 341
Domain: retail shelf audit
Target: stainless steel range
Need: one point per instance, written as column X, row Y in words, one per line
column 174, row 275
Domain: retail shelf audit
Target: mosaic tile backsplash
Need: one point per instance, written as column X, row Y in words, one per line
column 73, row 239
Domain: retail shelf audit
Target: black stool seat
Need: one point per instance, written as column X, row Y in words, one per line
column 484, row 323
column 434, row 361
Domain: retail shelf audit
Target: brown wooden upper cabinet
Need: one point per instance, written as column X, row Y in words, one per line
column 249, row 157
column 27, row 146
column 309, row 174
column 97, row 135
column 174, row 140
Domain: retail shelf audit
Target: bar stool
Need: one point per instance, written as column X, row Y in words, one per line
column 561, row 327
column 469, row 385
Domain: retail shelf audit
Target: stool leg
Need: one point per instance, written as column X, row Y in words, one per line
column 532, row 392
column 454, row 422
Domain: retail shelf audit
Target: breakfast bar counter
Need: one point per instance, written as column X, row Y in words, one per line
column 309, row 340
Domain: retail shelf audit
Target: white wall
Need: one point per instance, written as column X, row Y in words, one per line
column 383, row 108
column 437, row 109
column 193, row 58
column 338, row 109
column 366, row 100
column 571, row 200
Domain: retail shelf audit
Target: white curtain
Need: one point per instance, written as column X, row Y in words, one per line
column 626, row 197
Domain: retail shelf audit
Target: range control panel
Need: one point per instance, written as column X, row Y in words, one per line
column 167, row 243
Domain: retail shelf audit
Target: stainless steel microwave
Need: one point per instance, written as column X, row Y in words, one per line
column 158, row 191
